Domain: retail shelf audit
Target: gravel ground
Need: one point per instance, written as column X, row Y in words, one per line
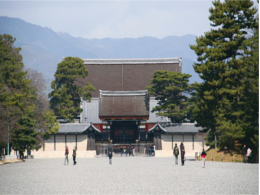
column 128, row 175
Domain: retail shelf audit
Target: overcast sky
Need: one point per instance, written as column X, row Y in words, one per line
column 114, row 19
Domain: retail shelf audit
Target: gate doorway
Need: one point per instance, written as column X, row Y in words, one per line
column 124, row 132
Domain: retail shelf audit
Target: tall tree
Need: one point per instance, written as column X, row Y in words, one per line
column 19, row 102
column 169, row 89
column 220, row 96
column 46, row 122
column 17, row 97
column 66, row 94
column 251, row 94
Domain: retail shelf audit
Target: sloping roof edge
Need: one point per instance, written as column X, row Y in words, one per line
column 154, row 127
column 123, row 93
column 133, row 61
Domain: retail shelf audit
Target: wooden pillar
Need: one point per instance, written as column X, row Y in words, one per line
column 54, row 141
column 43, row 146
column 172, row 141
column 193, row 141
column 76, row 140
column 91, row 141
column 157, row 140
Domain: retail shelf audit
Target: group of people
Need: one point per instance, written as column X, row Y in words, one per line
column 176, row 154
column 182, row 150
column 130, row 150
column 66, row 161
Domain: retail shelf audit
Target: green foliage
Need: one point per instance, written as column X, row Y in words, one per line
column 51, row 124
column 169, row 89
column 24, row 135
column 251, row 93
column 20, row 103
column 67, row 94
column 220, row 107
column 16, row 93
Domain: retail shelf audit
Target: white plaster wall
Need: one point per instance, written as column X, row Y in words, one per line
column 177, row 139
column 71, row 142
column 82, row 142
column 60, row 143
column 166, row 141
column 49, row 144
column 188, row 142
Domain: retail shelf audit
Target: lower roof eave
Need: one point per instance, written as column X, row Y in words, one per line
column 181, row 132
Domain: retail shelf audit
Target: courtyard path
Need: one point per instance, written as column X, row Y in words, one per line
column 128, row 175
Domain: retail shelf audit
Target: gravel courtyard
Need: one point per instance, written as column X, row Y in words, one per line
column 128, row 175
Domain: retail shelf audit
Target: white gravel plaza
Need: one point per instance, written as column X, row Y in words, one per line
column 128, row 175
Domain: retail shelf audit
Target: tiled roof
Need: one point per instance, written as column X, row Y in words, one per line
column 181, row 128
column 91, row 112
column 157, row 127
column 123, row 104
column 74, row 127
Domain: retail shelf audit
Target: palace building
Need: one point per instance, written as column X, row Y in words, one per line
column 120, row 113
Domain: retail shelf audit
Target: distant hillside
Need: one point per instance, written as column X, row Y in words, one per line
column 43, row 49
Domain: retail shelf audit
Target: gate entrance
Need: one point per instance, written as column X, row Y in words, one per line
column 124, row 132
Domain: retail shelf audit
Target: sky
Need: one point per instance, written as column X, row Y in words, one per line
column 114, row 19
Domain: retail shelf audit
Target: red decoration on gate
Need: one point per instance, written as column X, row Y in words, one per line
column 146, row 126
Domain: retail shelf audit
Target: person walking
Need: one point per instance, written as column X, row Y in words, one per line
column 203, row 156
column 248, row 154
column 244, row 153
column 110, row 153
column 66, row 155
column 176, row 153
column 74, row 155
column 182, row 149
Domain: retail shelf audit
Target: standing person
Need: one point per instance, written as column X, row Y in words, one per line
column 121, row 150
column 248, row 154
column 203, row 156
column 74, row 155
column 150, row 149
column 66, row 155
column 130, row 150
column 244, row 153
column 176, row 153
column 153, row 149
column 126, row 151
column 110, row 153
column 182, row 149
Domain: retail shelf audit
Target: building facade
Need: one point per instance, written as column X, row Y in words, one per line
column 120, row 113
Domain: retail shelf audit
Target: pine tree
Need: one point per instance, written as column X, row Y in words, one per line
column 251, row 94
column 17, row 97
column 66, row 94
column 19, row 102
column 169, row 88
column 219, row 109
